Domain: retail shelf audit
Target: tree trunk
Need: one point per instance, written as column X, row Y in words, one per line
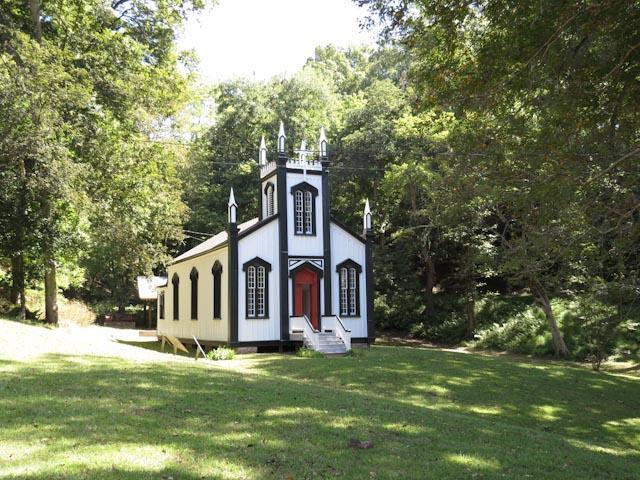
column 50, row 287
column 17, row 284
column 16, row 269
column 35, row 6
column 431, row 281
column 471, row 313
column 542, row 299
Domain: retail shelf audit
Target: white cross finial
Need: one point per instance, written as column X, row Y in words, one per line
column 263, row 152
column 281, row 137
column 322, row 142
column 302, row 153
column 366, row 218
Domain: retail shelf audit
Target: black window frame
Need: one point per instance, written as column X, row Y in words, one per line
column 216, row 272
column 161, row 305
column 304, row 187
column 256, row 262
column 271, row 186
column 193, row 276
column 349, row 264
column 175, row 282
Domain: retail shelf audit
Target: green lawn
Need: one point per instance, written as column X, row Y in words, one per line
column 429, row 414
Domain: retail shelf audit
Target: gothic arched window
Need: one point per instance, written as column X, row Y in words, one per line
column 349, row 287
column 175, row 283
column 304, row 208
column 194, row 293
column 216, row 271
column 270, row 201
column 257, row 288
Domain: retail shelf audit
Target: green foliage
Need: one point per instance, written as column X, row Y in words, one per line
column 221, row 353
column 305, row 352
column 525, row 333
column 85, row 92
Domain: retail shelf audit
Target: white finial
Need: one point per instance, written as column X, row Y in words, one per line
column 367, row 216
column 302, row 153
column 323, row 143
column 281, row 138
column 262, row 158
column 233, row 207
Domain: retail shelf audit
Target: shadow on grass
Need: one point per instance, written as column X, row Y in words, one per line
column 428, row 413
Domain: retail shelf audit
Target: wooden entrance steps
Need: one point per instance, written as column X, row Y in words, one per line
column 335, row 339
column 331, row 344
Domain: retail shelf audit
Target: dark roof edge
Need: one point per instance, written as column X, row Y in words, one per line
column 256, row 226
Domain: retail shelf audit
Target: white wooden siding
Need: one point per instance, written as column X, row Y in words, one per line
column 344, row 247
column 262, row 243
column 205, row 327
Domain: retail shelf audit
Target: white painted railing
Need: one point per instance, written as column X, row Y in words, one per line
column 302, row 324
column 334, row 324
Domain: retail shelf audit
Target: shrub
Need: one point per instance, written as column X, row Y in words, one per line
column 525, row 333
column 305, row 352
column 221, row 353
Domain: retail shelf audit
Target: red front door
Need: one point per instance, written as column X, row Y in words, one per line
column 306, row 295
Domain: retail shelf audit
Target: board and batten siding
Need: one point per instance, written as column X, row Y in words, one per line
column 304, row 245
column 262, row 243
column 343, row 247
column 205, row 327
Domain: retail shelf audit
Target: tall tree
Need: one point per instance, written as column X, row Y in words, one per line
column 544, row 94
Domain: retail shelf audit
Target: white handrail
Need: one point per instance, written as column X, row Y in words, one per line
column 334, row 323
column 311, row 334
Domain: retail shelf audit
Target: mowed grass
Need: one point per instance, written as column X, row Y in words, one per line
column 428, row 413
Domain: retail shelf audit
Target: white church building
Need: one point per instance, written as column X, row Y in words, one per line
column 291, row 275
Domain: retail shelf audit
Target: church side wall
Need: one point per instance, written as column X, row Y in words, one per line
column 205, row 327
column 262, row 243
column 345, row 247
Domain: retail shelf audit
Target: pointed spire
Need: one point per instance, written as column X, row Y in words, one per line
column 302, row 153
column 262, row 156
column 281, row 138
column 322, row 142
column 232, row 207
column 366, row 218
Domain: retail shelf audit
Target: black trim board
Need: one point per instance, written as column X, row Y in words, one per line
column 283, row 244
column 326, row 236
column 370, row 286
column 300, row 170
column 269, row 175
column 233, row 283
column 348, row 230
column 256, row 226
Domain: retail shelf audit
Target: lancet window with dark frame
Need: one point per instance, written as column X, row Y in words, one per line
column 175, row 285
column 304, row 208
column 194, row 293
column 349, row 288
column 216, row 271
column 257, row 288
column 269, row 194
